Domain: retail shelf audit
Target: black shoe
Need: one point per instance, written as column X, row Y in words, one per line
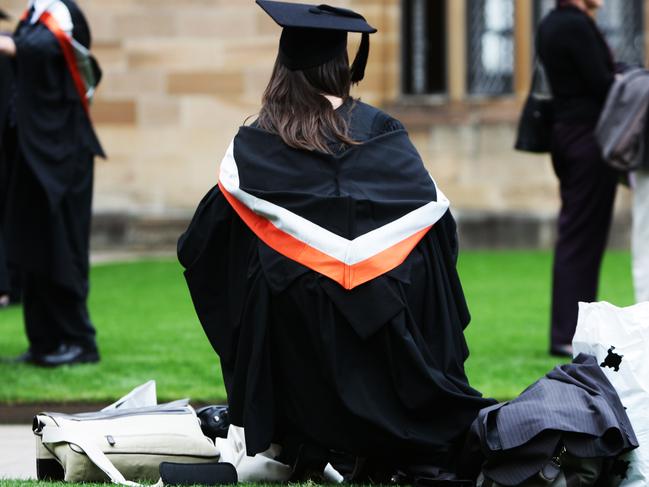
column 69, row 355
column 561, row 351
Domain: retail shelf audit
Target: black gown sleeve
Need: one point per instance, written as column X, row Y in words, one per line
column 231, row 298
column 450, row 235
column 5, row 96
column 220, row 257
column 202, row 251
column 6, row 76
column 54, row 132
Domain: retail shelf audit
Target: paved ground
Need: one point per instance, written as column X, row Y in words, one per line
column 17, row 452
column 107, row 257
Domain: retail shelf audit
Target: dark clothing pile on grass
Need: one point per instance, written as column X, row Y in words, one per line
column 570, row 423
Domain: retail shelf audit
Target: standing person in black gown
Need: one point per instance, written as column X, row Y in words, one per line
column 51, row 193
column 580, row 69
column 6, row 88
column 322, row 268
column 9, row 276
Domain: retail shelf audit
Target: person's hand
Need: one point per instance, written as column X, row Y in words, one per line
column 7, row 46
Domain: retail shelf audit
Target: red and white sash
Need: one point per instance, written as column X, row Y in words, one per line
column 65, row 42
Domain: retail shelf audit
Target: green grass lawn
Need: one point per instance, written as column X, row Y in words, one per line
column 148, row 330
column 509, row 297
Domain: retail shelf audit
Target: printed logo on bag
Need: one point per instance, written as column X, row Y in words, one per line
column 612, row 360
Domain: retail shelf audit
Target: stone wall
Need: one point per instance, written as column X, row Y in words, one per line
column 179, row 78
column 182, row 75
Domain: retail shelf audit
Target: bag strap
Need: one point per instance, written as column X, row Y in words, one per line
column 538, row 70
column 535, row 75
column 94, row 453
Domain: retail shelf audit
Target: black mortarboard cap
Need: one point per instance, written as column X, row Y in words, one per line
column 315, row 34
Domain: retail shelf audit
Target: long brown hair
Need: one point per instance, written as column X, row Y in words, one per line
column 293, row 105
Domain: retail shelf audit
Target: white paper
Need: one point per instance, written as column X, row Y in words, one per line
column 140, row 397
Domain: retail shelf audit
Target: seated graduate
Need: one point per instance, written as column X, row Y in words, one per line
column 323, row 270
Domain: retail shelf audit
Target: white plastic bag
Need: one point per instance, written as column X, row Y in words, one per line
column 262, row 468
column 619, row 338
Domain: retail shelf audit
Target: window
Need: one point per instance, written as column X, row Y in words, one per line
column 541, row 8
column 424, row 47
column 621, row 22
column 490, row 30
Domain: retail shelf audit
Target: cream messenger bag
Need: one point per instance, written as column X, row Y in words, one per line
column 123, row 443
column 126, row 442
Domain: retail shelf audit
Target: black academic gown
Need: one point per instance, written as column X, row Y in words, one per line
column 6, row 90
column 50, row 197
column 374, row 371
column 49, row 217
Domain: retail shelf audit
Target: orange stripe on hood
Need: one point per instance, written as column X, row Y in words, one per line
column 348, row 276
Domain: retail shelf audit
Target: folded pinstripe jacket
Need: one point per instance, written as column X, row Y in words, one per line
column 574, row 410
column 351, row 216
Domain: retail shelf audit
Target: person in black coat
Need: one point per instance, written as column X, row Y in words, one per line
column 323, row 270
column 51, row 193
column 580, row 69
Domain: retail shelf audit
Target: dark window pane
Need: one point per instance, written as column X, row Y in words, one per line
column 541, row 8
column 424, row 47
column 490, row 26
column 621, row 22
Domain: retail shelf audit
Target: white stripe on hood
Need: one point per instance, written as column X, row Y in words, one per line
column 57, row 9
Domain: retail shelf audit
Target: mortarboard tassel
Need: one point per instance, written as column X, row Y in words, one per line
column 358, row 66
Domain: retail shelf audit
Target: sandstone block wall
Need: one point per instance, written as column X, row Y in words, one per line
column 181, row 75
